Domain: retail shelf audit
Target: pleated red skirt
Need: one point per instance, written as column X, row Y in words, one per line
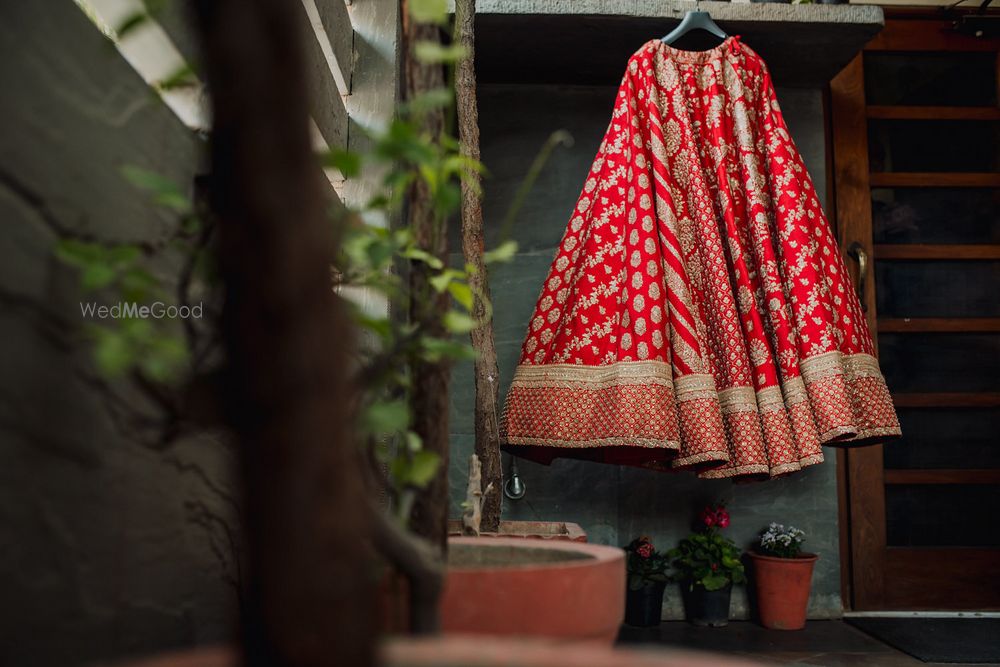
column 698, row 313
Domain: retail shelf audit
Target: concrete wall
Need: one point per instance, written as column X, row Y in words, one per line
column 110, row 544
column 616, row 504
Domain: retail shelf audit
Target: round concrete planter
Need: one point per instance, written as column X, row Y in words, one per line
column 450, row 651
column 530, row 530
column 533, row 588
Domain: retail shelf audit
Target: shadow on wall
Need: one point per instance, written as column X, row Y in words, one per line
column 110, row 543
column 615, row 504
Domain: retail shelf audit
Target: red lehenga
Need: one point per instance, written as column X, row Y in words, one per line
column 698, row 313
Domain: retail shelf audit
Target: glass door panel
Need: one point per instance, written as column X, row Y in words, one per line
column 936, row 215
column 943, row 288
column 942, row 515
column 946, row 438
column 930, row 79
column 933, row 146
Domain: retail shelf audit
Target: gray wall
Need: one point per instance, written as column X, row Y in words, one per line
column 110, row 544
column 615, row 504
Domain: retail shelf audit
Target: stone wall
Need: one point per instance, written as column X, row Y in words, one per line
column 111, row 544
column 616, row 504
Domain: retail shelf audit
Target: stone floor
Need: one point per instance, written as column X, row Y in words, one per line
column 826, row 643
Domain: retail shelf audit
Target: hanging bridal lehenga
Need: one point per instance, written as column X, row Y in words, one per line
column 698, row 313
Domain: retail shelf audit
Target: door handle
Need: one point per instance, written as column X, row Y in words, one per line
column 857, row 251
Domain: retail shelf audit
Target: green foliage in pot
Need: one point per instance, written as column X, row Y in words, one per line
column 645, row 564
column 706, row 558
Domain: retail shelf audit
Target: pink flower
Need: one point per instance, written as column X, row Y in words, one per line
column 645, row 550
column 721, row 517
column 707, row 517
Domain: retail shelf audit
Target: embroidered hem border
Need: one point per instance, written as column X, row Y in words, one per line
column 838, row 399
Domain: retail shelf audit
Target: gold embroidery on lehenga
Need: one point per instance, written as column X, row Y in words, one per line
column 705, row 255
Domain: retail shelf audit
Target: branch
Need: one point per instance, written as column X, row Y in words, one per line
column 487, row 371
column 419, row 562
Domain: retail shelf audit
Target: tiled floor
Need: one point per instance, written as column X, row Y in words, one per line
column 826, row 643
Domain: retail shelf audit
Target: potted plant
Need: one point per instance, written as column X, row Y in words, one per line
column 783, row 576
column 647, row 578
column 706, row 565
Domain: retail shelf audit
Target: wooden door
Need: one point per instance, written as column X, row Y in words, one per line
column 916, row 156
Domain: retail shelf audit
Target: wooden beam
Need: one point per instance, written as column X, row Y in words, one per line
column 933, row 113
column 942, row 476
column 865, row 502
column 912, row 36
column 939, row 325
column 325, row 101
column 936, row 251
column 336, row 22
column 909, row 179
column 947, row 400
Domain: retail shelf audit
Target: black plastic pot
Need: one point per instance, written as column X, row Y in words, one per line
column 643, row 606
column 706, row 608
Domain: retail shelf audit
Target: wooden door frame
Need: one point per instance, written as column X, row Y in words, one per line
column 866, row 561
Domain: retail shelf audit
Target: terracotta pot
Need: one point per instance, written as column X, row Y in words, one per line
column 533, row 530
column 706, row 608
column 782, row 586
column 533, row 588
column 644, row 605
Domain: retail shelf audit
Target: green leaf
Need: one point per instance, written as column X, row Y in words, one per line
column 182, row 77
column 423, row 467
column 79, row 253
column 96, row 276
column 123, row 254
column 386, row 417
column 448, row 197
column 422, row 255
column 414, row 442
column 714, row 582
column 402, row 143
column 430, row 100
column 433, row 53
column 164, row 358
column 380, row 326
column 380, row 252
column 458, row 323
column 165, row 192
column 136, row 283
column 436, row 349
column 417, row 470
column 131, row 22
column 347, row 162
column 441, row 281
column 461, row 293
column 429, row 11
column 502, row 253
column 112, row 351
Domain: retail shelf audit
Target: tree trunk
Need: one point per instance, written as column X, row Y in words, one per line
column 429, row 401
column 286, row 334
column 487, row 372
